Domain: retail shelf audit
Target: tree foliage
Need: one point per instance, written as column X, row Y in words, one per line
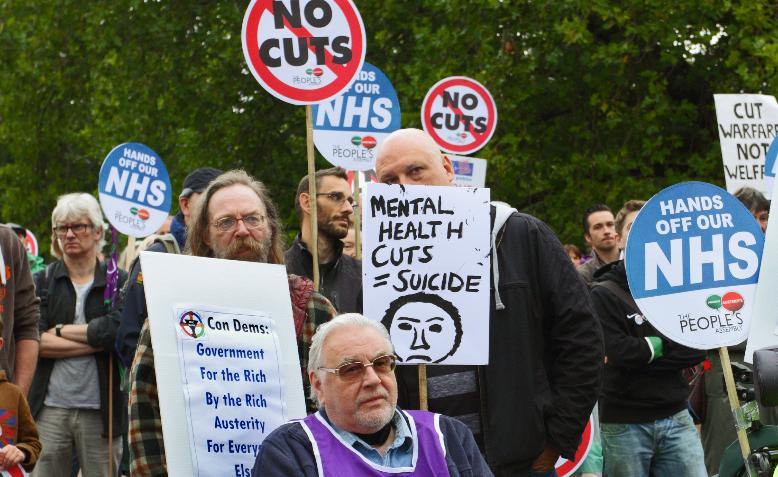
column 599, row 101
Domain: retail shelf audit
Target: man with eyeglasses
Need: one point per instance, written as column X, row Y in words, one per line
column 530, row 404
column 359, row 430
column 340, row 276
column 235, row 220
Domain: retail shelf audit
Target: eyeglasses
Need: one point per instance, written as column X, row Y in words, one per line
column 225, row 224
column 354, row 370
column 78, row 229
column 339, row 198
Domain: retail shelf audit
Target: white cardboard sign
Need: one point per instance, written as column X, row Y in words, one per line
column 426, row 270
column 468, row 171
column 764, row 324
column 747, row 124
column 303, row 51
column 226, row 360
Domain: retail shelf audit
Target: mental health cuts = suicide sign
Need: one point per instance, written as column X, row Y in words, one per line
column 232, row 385
column 348, row 129
column 303, row 51
column 460, row 114
column 747, row 125
column 134, row 189
column 426, row 271
column 692, row 260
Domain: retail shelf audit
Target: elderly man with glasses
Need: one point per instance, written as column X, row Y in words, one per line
column 340, row 276
column 234, row 220
column 358, row 429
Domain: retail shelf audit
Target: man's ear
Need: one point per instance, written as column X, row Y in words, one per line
column 305, row 202
column 316, row 386
column 448, row 167
column 588, row 238
column 183, row 205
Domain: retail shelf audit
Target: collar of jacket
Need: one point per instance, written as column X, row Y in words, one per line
column 178, row 229
column 337, row 243
column 60, row 270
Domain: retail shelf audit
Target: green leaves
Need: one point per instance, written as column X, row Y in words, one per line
column 599, row 101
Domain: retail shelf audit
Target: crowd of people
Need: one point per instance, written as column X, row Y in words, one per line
column 565, row 340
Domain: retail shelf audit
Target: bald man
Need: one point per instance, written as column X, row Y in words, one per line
column 530, row 404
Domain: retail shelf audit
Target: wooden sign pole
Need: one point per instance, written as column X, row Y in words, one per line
column 734, row 405
column 357, row 217
column 110, row 414
column 314, row 249
column 423, row 387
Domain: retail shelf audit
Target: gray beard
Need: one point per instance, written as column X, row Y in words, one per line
column 260, row 251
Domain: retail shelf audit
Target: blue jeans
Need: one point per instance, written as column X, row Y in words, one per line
column 664, row 448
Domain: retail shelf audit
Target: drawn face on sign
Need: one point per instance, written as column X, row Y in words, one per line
column 424, row 328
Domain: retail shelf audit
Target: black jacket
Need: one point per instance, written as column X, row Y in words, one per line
column 340, row 281
column 636, row 390
column 545, row 352
column 58, row 305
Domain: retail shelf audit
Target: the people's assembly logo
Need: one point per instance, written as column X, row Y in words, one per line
column 191, row 324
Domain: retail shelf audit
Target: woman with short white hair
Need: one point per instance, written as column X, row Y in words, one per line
column 69, row 393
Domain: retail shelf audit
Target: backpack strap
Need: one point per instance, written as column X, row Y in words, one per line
column 169, row 242
column 44, row 288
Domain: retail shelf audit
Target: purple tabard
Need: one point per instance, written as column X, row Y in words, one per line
column 335, row 458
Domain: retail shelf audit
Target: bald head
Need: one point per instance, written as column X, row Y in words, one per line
column 410, row 156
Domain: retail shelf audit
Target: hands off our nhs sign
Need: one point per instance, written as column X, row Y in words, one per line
column 134, row 189
column 693, row 259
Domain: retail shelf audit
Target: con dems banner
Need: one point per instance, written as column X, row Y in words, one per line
column 692, row 260
column 134, row 189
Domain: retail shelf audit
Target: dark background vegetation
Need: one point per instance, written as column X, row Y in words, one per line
column 599, row 100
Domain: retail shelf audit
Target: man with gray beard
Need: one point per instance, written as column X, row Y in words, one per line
column 234, row 220
column 358, row 429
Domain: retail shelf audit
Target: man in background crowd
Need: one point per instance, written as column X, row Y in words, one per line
column 19, row 309
column 530, row 404
column 756, row 203
column 600, row 234
column 236, row 220
column 645, row 426
column 340, row 276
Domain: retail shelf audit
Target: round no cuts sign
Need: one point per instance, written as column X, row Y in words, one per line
column 693, row 257
column 459, row 114
column 303, row 51
column 134, row 188
column 348, row 130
